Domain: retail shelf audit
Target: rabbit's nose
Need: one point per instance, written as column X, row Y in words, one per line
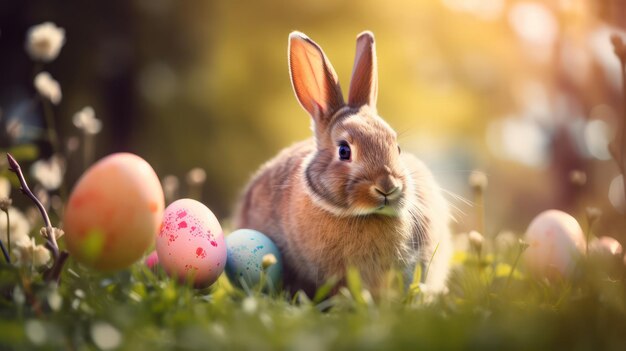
column 388, row 186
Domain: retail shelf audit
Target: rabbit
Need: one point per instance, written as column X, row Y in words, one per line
column 348, row 196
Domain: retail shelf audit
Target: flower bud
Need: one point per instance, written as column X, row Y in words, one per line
column 268, row 261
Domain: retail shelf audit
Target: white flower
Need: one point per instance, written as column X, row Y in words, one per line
column 478, row 180
column 49, row 173
column 268, row 261
column 106, row 336
column 86, row 121
column 476, row 239
column 48, row 87
column 505, row 240
column 36, row 332
column 57, row 232
column 5, row 188
column 14, row 128
column 44, row 41
column 20, row 227
column 170, row 186
column 27, row 251
column 593, row 213
column 249, row 305
column 196, row 176
column 41, row 255
column 578, row 177
column 55, row 300
column 5, row 203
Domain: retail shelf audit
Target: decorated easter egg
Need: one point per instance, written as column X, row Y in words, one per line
column 556, row 244
column 190, row 244
column 249, row 252
column 113, row 212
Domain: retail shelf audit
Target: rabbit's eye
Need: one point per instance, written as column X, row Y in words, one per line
column 399, row 150
column 344, row 152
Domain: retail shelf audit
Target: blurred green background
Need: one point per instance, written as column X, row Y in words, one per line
column 526, row 91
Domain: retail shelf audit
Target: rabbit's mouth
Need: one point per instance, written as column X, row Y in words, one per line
column 367, row 198
column 387, row 210
column 388, row 199
column 389, row 207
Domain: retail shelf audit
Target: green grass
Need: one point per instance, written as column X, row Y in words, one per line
column 488, row 307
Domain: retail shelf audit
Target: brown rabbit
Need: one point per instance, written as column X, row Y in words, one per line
column 347, row 196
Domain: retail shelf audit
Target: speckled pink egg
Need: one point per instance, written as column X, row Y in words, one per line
column 556, row 244
column 190, row 244
column 113, row 212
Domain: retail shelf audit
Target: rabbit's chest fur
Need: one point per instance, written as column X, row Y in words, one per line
column 328, row 244
column 315, row 243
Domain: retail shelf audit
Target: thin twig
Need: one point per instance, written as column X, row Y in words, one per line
column 8, row 233
column 53, row 137
column 5, row 253
column 50, row 238
column 88, row 148
column 522, row 246
column 514, row 267
column 54, row 273
column 7, row 250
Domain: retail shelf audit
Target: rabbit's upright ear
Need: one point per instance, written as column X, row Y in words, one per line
column 364, row 83
column 314, row 80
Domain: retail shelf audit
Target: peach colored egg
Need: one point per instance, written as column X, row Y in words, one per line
column 556, row 244
column 190, row 244
column 114, row 212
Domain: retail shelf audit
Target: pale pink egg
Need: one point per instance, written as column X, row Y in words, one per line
column 113, row 212
column 556, row 244
column 190, row 244
column 152, row 260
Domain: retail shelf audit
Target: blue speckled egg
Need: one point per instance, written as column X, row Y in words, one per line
column 244, row 263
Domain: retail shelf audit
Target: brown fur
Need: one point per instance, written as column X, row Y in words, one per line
column 377, row 211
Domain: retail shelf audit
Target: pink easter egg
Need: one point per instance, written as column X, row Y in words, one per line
column 556, row 244
column 113, row 212
column 190, row 244
column 152, row 260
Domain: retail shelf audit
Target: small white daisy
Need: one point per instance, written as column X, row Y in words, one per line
column 48, row 87
column 49, row 173
column 44, row 41
column 86, row 121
